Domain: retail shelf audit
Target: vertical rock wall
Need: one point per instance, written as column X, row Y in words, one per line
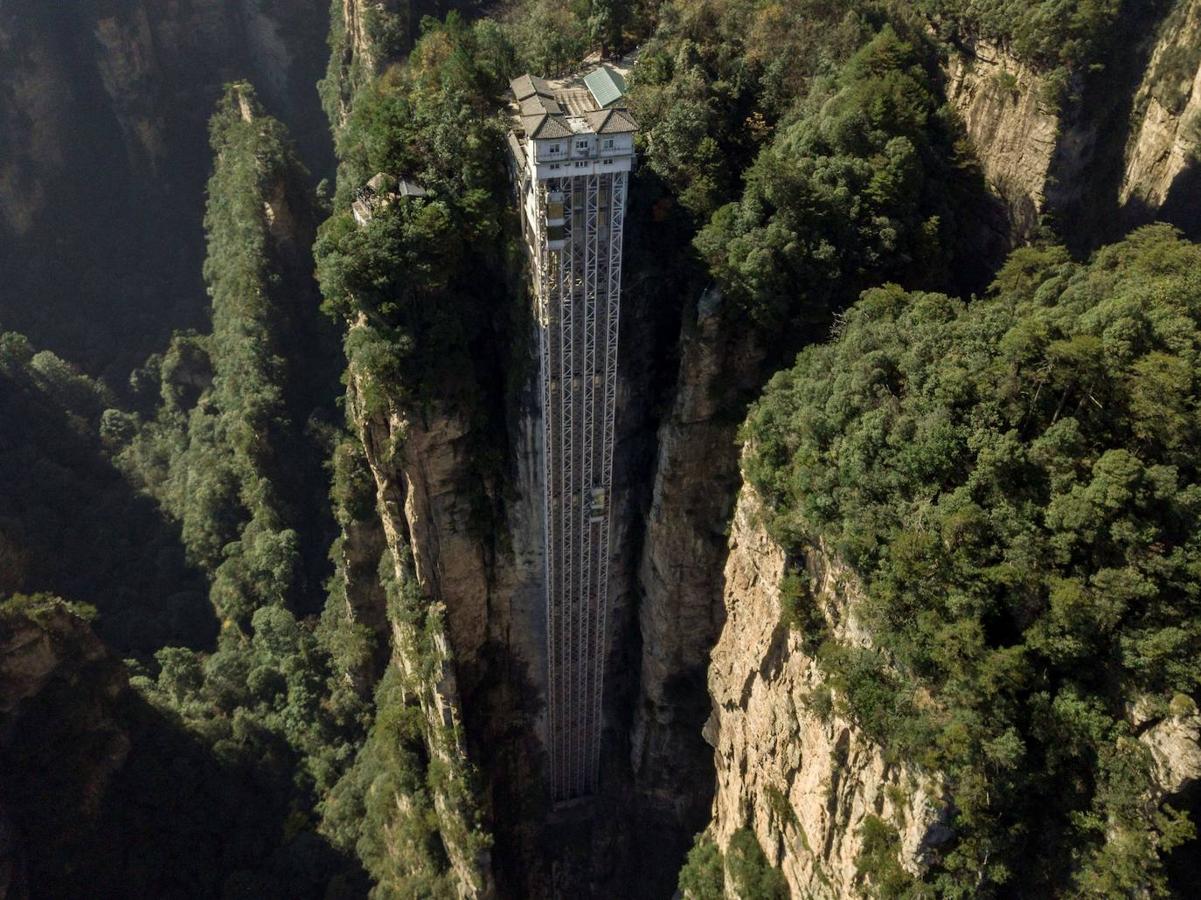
column 1010, row 125
column 104, row 152
column 417, row 470
column 801, row 776
column 1165, row 139
column 680, row 616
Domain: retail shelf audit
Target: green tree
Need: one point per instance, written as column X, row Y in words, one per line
column 1025, row 525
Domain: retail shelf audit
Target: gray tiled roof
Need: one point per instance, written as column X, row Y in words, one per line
column 611, row 121
column 544, row 126
column 529, row 85
column 538, row 104
column 516, row 149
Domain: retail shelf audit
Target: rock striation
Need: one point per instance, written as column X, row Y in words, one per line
column 790, row 767
column 1165, row 139
column 1010, row 125
column 416, row 466
column 104, row 151
column 680, row 570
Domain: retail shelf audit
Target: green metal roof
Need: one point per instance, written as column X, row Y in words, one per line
column 607, row 86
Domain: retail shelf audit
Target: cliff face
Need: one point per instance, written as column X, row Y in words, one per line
column 680, row 615
column 1106, row 150
column 61, row 739
column 422, row 518
column 1009, row 124
column 1165, row 140
column 802, row 777
column 104, row 151
column 488, row 577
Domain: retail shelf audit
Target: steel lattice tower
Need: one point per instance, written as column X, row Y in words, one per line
column 572, row 156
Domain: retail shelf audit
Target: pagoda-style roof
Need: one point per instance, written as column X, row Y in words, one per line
column 611, row 121
column 545, row 126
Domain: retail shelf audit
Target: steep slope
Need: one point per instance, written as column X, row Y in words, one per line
column 62, row 737
column 1091, row 140
column 962, row 558
column 679, row 576
column 770, row 297
column 232, row 736
column 1163, row 153
column 414, row 410
column 801, row 775
column 1010, row 118
column 103, row 155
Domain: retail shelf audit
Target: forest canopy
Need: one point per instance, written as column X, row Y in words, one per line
column 1016, row 481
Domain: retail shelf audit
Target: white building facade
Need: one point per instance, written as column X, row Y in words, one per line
column 572, row 150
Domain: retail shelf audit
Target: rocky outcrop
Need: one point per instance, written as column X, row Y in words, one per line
column 1002, row 103
column 1175, row 745
column 790, row 766
column 104, row 114
column 680, row 614
column 1165, row 139
column 417, row 467
column 61, row 737
column 1172, row 734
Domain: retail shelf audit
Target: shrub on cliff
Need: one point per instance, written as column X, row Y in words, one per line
column 1048, row 33
column 1016, row 480
column 815, row 150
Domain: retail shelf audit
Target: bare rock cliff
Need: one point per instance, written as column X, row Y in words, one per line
column 1009, row 124
column 680, row 572
column 1165, row 139
column 802, row 777
column 61, row 735
column 416, row 468
column 104, row 152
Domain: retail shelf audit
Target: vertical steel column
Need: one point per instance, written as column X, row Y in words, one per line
column 578, row 308
column 587, row 313
column 547, row 286
column 616, row 224
column 569, row 660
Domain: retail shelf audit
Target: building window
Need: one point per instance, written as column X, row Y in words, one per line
column 553, row 148
column 582, row 145
column 581, row 165
column 554, row 165
column 554, row 233
column 608, row 145
column 608, row 162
